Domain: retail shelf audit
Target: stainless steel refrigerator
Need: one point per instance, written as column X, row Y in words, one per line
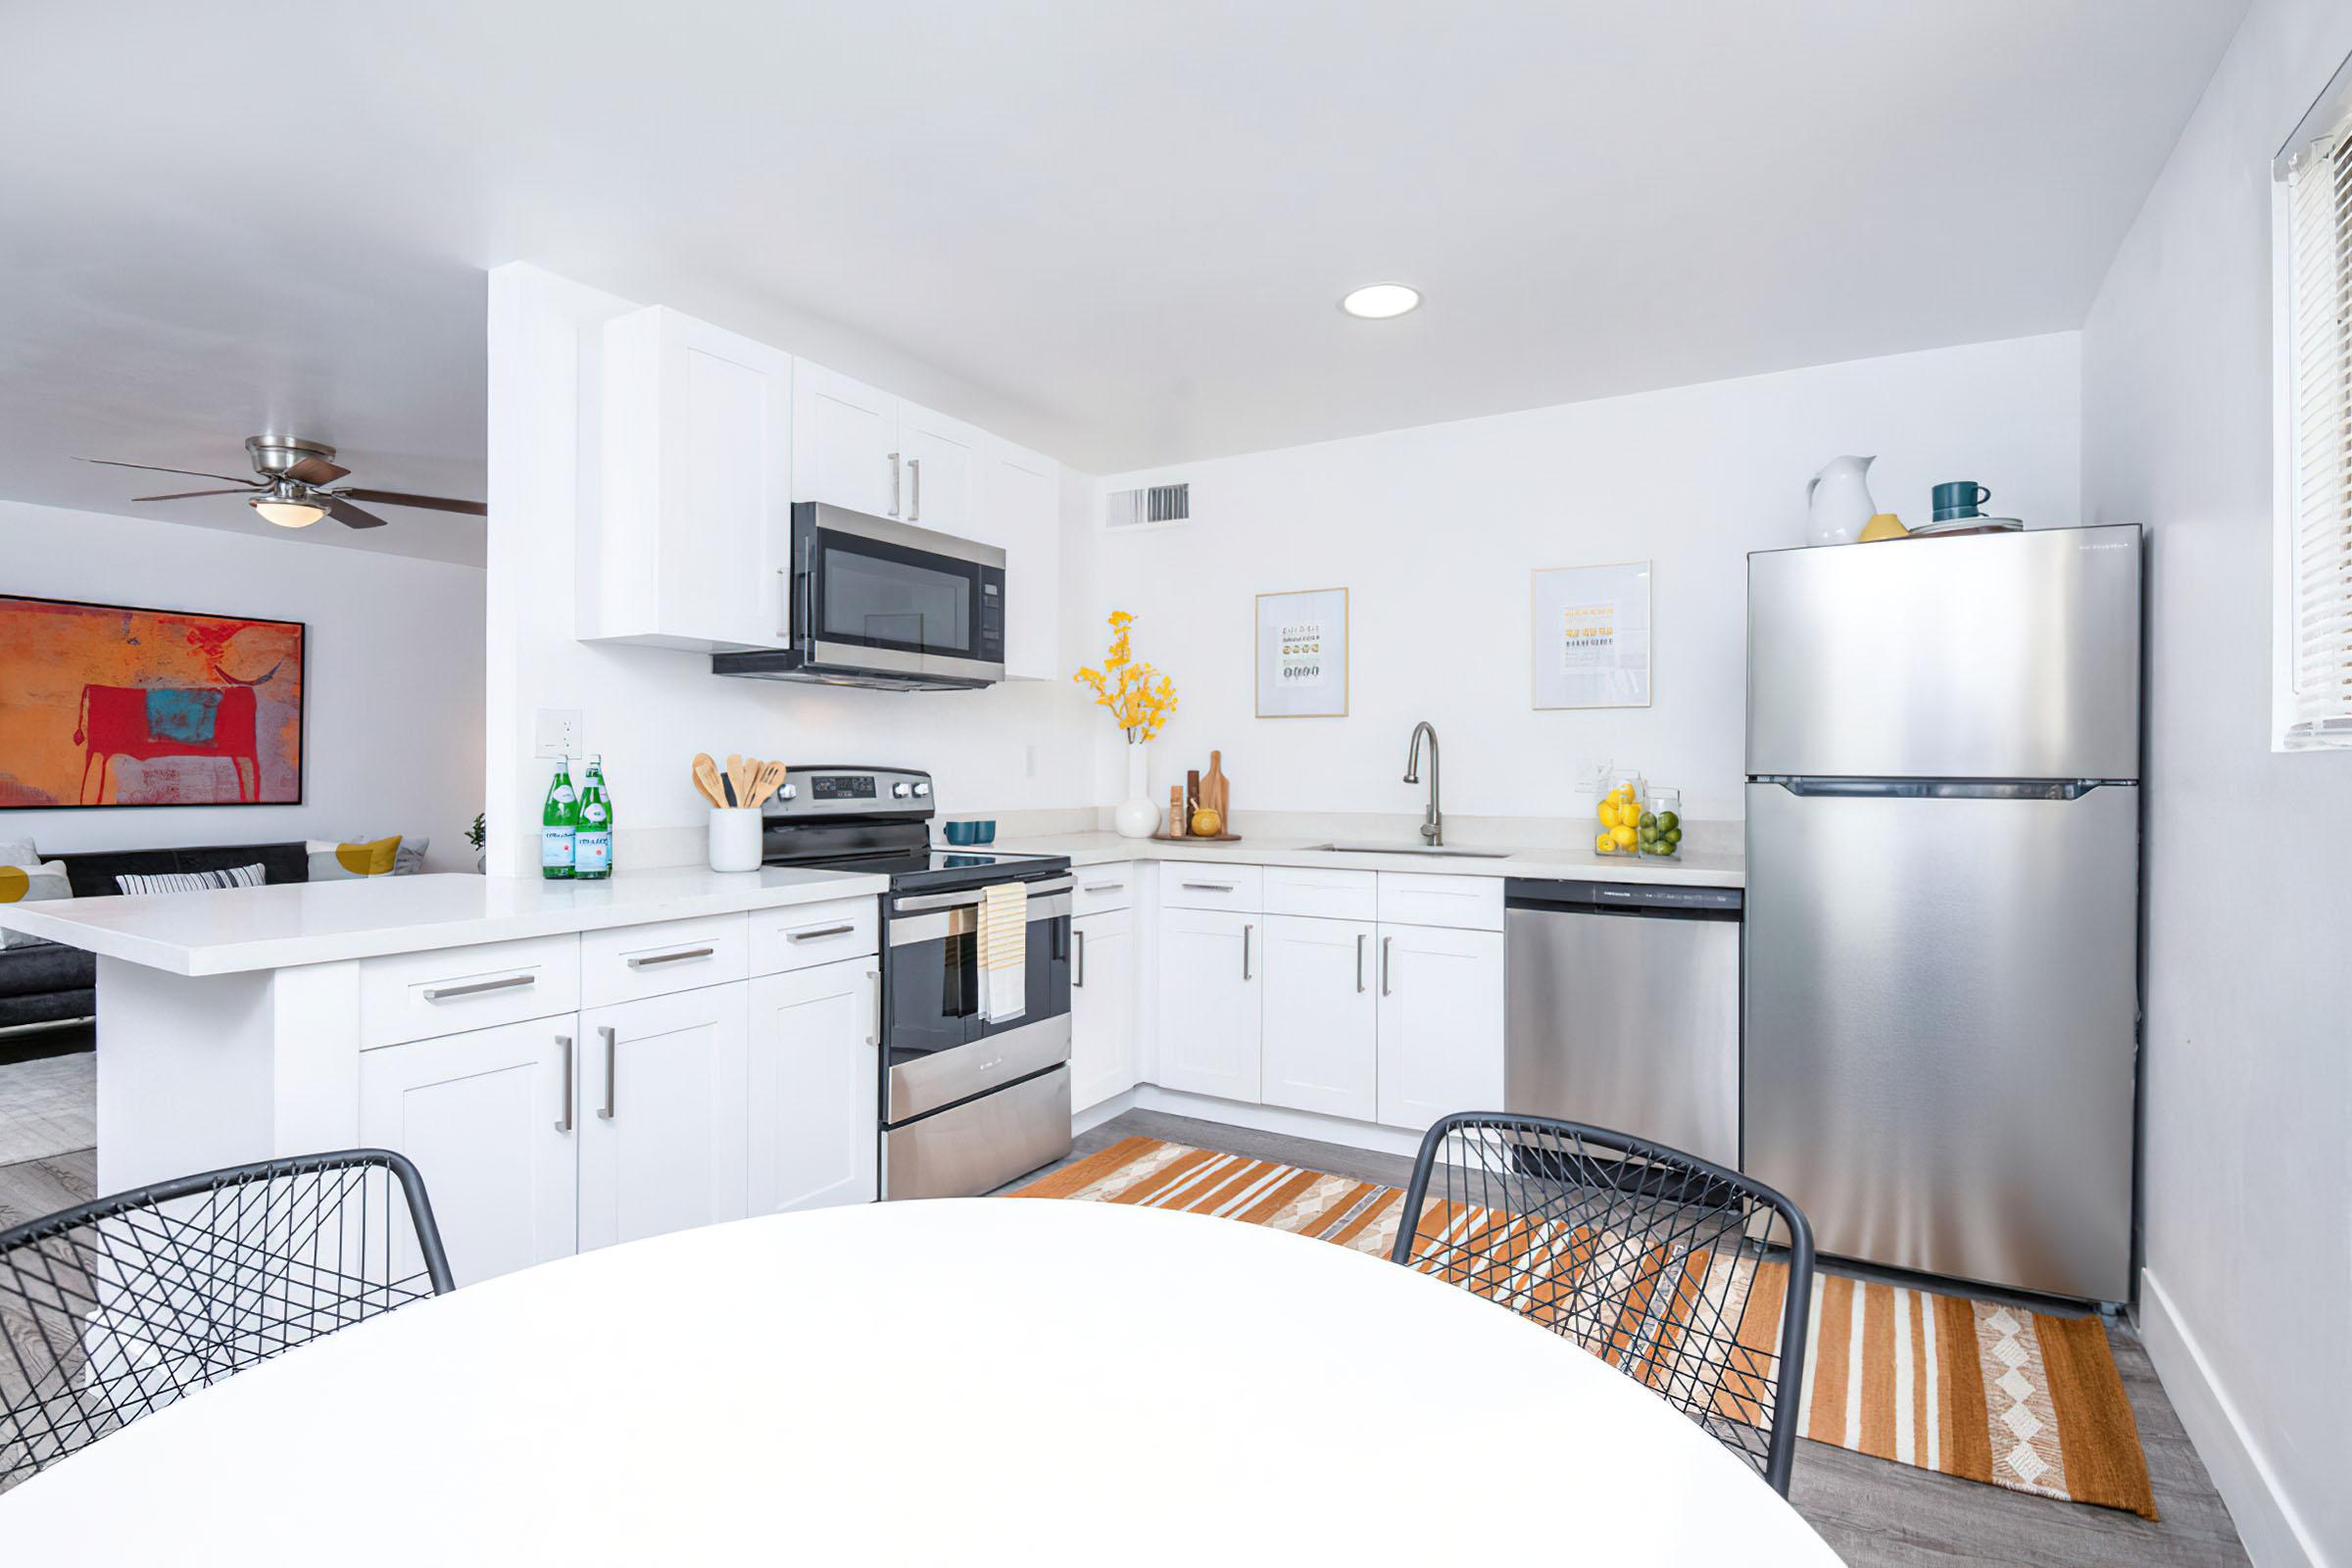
column 1941, row 999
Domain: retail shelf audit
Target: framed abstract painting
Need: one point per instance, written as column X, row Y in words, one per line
column 106, row 704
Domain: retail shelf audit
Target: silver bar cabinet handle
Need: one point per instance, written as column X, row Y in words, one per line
column 1245, row 930
column 1103, row 887
column 611, row 1075
column 564, row 1125
column 894, row 484
column 680, row 956
column 874, row 979
column 1384, row 965
column 1209, row 887
column 915, row 472
column 1079, row 979
column 1359, row 963
column 813, row 932
column 475, row 988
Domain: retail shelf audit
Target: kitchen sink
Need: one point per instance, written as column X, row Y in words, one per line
column 1438, row 849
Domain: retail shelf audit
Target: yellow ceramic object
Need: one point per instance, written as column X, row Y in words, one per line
column 1884, row 525
column 1206, row 823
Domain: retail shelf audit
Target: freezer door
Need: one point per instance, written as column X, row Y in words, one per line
column 1941, row 999
column 1990, row 655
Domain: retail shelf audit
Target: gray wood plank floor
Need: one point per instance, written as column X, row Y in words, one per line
column 1872, row 1511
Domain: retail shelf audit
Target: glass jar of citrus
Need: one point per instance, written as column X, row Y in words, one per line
column 1658, row 831
column 1620, row 818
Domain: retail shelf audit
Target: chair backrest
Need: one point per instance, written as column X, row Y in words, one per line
column 1690, row 1279
column 116, row 1307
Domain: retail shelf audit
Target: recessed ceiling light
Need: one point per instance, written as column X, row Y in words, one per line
column 1377, row 302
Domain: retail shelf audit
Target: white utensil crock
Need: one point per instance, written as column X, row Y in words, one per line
column 735, row 838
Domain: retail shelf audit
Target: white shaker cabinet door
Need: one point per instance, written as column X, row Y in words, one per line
column 844, row 443
column 1024, row 519
column 944, row 460
column 1321, row 1016
column 490, row 1118
column 663, row 1130
column 1209, row 965
column 1102, row 1007
column 1440, row 1023
column 815, row 1087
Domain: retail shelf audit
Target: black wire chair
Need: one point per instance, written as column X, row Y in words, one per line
column 1688, row 1278
column 112, row 1310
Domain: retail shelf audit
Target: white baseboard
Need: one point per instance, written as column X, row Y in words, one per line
column 2267, row 1526
column 1277, row 1120
column 1093, row 1116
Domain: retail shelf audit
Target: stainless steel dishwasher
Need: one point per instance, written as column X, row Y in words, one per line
column 1622, row 1009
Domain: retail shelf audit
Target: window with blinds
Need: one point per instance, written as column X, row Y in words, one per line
column 2316, row 599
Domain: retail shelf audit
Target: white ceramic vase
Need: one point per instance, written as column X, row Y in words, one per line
column 1137, row 818
column 1838, row 501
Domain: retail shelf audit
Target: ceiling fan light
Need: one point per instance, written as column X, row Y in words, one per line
column 288, row 514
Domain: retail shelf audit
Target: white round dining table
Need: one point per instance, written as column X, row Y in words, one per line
column 976, row 1380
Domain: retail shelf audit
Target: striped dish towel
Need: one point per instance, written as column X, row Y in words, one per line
column 1003, row 952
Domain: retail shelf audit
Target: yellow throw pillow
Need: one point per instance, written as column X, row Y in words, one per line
column 346, row 860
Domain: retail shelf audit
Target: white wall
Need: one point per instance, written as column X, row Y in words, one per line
column 1435, row 531
column 1021, row 745
column 393, row 731
column 2247, row 1185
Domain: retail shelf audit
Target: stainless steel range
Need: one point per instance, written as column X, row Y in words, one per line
column 965, row 1103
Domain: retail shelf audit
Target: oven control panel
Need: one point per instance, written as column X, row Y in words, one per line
column 836, row 790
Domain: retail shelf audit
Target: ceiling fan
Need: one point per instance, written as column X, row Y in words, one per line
column 292, row 490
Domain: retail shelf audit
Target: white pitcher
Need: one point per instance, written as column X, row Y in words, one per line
column 1839, row 497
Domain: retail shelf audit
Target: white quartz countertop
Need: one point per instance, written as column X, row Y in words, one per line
column 237, row 929
column 1718, row 868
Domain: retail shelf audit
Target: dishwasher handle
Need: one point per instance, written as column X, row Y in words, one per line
column 1655, row 899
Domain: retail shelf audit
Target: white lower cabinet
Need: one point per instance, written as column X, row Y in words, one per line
column 1102, row 1007
column 1321, row 1016
column 1440, row 1023
column 663, row 1125
column 1209, row 965
column 491, row 1117
column 815, row 1086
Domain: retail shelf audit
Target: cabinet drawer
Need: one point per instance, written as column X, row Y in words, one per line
column 652, row 960
column 808, row 934
column 1196, row 886
column 1103, row 887
column 416, row 996
column 1416, row 898
column 1322, row 893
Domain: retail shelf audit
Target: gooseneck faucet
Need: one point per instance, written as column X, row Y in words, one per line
column 1433, row 826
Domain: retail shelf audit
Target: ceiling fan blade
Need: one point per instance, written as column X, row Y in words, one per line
column 193, row 473
column 316, row 471
column 182, row 495
column 349, row 515
column 398, row 498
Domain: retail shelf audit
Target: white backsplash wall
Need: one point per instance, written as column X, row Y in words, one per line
column 1435, row 531
column 1017, row 746
column 392, row 723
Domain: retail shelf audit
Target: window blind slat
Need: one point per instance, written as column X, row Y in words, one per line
column 2319, row 602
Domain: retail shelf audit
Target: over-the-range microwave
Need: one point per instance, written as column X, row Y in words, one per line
column 879, row 602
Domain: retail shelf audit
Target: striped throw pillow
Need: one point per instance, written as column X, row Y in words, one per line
column 237, row 876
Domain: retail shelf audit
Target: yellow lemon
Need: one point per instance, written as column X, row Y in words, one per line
column 1604, row 843
column 1608, row 813
column 1623, row 836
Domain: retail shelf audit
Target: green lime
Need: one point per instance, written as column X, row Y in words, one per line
column 1669, row 819
column 1673, row 835
column 1649, row 819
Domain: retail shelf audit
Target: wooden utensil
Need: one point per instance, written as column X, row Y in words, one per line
column 770, row 780
column 705, row 779
column 740, row 771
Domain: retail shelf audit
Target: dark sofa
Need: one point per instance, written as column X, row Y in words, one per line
column 48, row 982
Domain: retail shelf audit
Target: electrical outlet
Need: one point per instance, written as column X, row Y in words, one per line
column 559, row 732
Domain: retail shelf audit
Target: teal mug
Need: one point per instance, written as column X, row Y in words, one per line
column 1960, row 498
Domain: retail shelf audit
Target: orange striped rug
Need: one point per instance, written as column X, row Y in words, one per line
column 1972, row 1388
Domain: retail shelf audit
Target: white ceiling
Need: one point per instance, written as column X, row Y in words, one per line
column 1118, row 231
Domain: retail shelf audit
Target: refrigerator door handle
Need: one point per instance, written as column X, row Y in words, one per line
column 1936, row 788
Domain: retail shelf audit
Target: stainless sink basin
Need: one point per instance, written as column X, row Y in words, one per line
column 1412, row 849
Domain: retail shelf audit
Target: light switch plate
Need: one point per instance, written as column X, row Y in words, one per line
column 559, row 732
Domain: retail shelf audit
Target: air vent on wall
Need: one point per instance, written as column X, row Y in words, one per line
column 1153, row 504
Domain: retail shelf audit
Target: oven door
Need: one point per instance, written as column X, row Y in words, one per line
column 881, row 597
column 937, row 1048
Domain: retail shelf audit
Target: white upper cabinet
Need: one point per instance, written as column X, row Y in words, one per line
column 689, row 542
column 1023, row 518
column 846, row 443
column 945, row 463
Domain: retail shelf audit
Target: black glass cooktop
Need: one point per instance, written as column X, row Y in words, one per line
column 942, row 869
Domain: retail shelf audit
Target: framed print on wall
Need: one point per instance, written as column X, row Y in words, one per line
column 1592, row 636
column 1303, row 653
column 107, row 706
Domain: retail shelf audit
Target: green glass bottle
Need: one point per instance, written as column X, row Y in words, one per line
column 559, row 826
column 592, row 858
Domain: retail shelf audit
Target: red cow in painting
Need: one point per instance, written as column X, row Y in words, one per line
column 143, row 723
